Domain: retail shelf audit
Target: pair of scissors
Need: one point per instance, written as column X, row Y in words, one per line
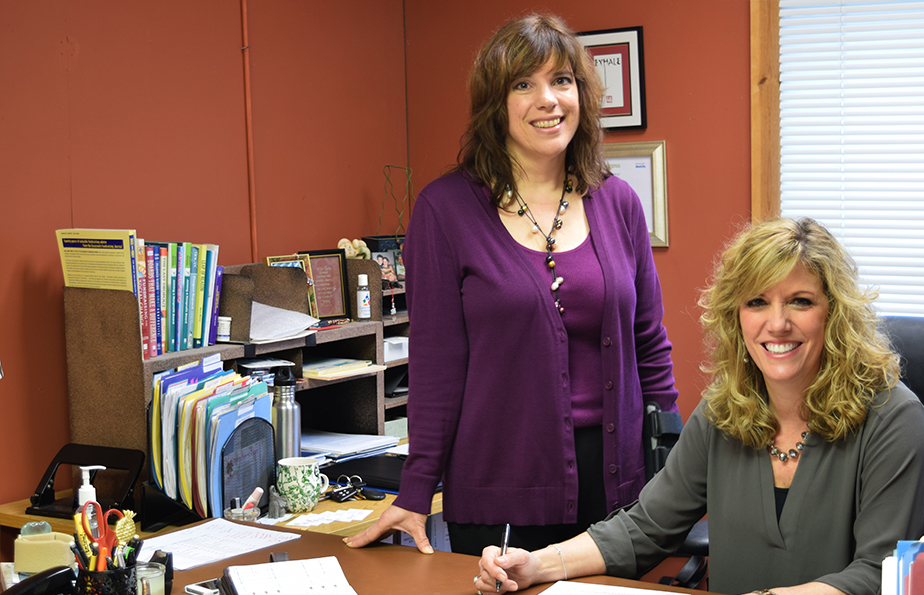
column 96, row 526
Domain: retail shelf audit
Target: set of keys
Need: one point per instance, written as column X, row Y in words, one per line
column 353, row 487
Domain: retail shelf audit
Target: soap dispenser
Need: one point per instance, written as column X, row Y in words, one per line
column 87, row 492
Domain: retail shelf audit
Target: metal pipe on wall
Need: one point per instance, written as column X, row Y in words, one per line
column 248, row 125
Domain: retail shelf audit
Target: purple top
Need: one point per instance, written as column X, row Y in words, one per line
column 582, row 295
column 489, row 406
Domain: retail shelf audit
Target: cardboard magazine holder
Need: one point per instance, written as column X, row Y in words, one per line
column 241, row 286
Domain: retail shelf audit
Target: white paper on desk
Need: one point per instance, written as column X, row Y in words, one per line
column 212, row 541
column 572, row 588
column 295, row 577
column 268, row 323
column 340, row 445
column 402, row 450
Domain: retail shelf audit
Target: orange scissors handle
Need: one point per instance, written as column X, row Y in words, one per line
column 96, row 526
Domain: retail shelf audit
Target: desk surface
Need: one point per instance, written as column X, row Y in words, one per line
column 379, row 569
column 14, row 515
column 383, row 569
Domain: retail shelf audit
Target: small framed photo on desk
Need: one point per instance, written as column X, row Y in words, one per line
column 388, row 265
column 329, row 272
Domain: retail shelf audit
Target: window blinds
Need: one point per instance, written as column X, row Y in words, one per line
column 852, row 135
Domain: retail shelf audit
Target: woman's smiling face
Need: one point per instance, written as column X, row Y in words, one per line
column 784, row 330
column 543, row 110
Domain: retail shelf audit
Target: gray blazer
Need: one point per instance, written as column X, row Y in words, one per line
column 849, row 503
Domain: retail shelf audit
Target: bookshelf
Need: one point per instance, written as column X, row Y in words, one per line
column 109, row 383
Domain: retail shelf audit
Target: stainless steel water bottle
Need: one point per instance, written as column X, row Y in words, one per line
column 287, row 415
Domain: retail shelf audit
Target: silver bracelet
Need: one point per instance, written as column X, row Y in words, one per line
column 562, row 558
column 764, row 592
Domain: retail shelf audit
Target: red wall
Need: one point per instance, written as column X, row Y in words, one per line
column 125, row 114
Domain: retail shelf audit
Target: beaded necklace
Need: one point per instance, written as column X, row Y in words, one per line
column 793, row 452
column 523, row 209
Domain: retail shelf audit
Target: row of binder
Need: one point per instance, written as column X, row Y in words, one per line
column 903, row 571
column 194, row 411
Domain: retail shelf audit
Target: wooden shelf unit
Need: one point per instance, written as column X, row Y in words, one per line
column 110, row 384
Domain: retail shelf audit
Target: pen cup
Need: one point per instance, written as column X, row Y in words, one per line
column 150, row 574
column 120, row 581
column 239, row 514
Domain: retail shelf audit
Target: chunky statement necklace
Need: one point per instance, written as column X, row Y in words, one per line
column 793, row 452
column 523, row 209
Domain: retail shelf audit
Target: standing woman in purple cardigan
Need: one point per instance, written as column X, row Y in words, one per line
column 535, row 312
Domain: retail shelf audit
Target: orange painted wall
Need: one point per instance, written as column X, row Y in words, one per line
column 696, row 78
column 123, row 114
column 131, row 114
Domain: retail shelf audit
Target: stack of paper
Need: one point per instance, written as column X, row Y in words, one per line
column 343, row 446
column 269, row 324
column 337, row 367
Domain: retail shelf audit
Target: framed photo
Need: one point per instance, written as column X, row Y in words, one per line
column 399, row 264
column 618, row 56
column 301, row 261
column 388, row 265
column 643, row 166
column 329, row 273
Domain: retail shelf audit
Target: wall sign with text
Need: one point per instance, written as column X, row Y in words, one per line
column 617, row 53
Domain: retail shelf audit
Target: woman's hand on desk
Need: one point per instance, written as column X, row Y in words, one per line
column 393, row 519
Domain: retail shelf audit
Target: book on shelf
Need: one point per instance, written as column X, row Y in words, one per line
column 337, row 367
column 165, row 275
column 196, row 335
column 191, row 291
column 151, row 274
column 216, row 293
column 183, row 260
column 142, row 284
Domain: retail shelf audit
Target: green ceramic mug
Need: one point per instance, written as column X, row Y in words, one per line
column 300, row 481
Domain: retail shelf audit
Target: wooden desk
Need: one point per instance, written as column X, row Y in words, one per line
column 382, row 569
column 14, row 515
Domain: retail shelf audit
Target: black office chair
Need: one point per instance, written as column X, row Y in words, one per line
column 907, row 335
column 660, row 432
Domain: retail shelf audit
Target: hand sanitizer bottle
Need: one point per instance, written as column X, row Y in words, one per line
column 363, row 299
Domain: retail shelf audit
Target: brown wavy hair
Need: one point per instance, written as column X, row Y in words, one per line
column 518, row 49
column 856, row 360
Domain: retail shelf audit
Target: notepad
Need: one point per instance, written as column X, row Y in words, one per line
column 293, row 577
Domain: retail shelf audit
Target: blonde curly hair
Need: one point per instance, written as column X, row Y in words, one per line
column 856, row 360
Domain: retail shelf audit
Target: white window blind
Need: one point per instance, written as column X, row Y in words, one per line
column 852, row 135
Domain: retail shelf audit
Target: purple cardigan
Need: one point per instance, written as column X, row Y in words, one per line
column 489, row 409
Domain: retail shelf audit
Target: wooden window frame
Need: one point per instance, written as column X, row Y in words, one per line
column 765, row 109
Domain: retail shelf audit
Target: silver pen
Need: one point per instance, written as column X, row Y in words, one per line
column 504, row 542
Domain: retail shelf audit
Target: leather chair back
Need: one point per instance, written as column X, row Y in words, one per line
column 907, row 334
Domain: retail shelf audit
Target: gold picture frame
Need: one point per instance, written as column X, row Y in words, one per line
column 643, row 165
column 300, row 261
